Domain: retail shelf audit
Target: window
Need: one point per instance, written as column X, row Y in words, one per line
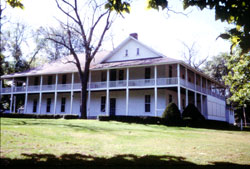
column 103, row 76
column 36, row 81
column 48, row 104
column 189, row 79
column 126, row 52
column 137, row 51
column 34, row 105
column 103, row 103
column 49, row 80
column 183, row 76
column 147, row 103
column 170, row 73
column 63, row 102
column 147, row 73
column 64, row 79
column 121, row 74
column 170, row 98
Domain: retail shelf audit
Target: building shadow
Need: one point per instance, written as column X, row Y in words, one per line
column 130, row 161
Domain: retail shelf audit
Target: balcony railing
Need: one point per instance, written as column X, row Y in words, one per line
column 19, row 89
column 167, row 81
column 113, row 84
column 96, row 85
column 141, row 82
column 48, row 87
column 119, row 83
column 6, row 90
column 64, row 86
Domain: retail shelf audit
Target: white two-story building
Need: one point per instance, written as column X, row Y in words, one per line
column 132, row 80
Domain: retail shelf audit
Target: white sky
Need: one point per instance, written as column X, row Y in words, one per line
column 157, row 30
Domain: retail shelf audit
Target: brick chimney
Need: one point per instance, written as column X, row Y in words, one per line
column 134, row 35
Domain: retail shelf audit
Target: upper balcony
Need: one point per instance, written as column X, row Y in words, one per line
column 132, row 78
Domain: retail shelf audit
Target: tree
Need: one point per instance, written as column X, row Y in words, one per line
column 190, row 55
column 238, row 79
column 235, row 12
column 3, row 5
column 50, row 49
column 90, row 28
column 14, row 40
column 216, row 67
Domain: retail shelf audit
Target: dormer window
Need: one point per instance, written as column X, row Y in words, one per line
column 137, row 51
column 126, row 52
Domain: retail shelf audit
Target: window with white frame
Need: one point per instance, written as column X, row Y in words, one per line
column 34, row 105
column 48, row 105
column 63, row 103
column 103, row 103
column 147, row 103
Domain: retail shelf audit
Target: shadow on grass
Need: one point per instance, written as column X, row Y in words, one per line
column 118, row 161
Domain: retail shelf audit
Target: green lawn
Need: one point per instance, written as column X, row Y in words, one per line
column 91, row 141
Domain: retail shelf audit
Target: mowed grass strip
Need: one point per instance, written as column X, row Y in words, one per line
column 109, row 139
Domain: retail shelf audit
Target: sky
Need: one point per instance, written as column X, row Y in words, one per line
column 164, row 33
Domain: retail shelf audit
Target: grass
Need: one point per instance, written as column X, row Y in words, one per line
column 86, row 141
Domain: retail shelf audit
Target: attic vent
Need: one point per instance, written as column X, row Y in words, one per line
column 138, row 51
column 126, row 52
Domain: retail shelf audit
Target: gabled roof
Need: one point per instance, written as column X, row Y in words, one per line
column 61, row 65
column 125, row 42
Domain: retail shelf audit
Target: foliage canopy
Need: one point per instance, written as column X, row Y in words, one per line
column 235, row 12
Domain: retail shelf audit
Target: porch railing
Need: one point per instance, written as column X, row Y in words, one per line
column 48, row 87
column 63, row 86
column 119, row 83
column 167, row 81
column 141, row 82
column 114, row 84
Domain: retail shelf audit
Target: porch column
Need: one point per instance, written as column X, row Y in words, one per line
column 1, row 83
column 127, row 92
column 72, row 92
column 11, row 96
column 201, row 104
column 55, row 99
column 186, row 76
column 179, row 88
column 201, row 97
column 155, row 67
column 206, row 87
column 40, row 95
column 14, row 108
column 26, row 94
column 186, row 97
column 195, row 93
column 107, row 94
column 186, row 79
column 89, row 94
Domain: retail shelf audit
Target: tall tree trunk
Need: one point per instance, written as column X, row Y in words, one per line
column 84, row 91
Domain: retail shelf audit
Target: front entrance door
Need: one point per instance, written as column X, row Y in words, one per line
column 112, row 106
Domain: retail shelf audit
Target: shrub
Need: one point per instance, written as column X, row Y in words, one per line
column 172, row 114
column 71, row 116
column 132, row 119
column 192, row 113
